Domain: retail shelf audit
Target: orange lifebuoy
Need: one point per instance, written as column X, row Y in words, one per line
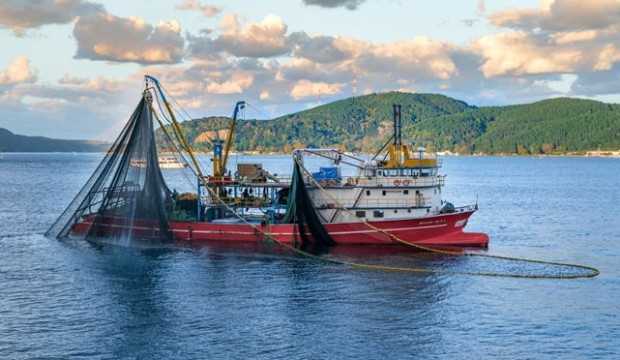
column 397, row 182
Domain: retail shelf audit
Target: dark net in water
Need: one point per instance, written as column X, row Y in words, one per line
column 300, row 211
column 126, row 197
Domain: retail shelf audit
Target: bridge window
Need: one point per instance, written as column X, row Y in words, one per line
column 360, row 214
column 405, row 192
column 367, row 192
column 383, row 192
column 378, row 214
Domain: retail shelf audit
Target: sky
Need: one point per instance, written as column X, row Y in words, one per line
column 74, row 68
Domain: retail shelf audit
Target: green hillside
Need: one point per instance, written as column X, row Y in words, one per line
column 363, row 123
column 556, row 125
column 10, row 142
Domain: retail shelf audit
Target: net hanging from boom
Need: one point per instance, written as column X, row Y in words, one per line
column 126, row 197
column 301, row 212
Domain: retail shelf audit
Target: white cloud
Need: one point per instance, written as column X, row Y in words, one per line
column 70, row 108
column 561, row 15
column 516, row 53
column 571, row 37
column 559, row 37
column 236, row 85
column 421, row 58
column 107, row 37
column 305, row 88
column 20, row 15
column 266, row 38
column 18, row 71
column 323, row 49
column 195, row 5
column 608, row 56
column 263, row 63
column 594, row 83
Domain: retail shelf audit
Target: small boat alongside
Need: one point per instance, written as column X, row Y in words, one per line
column 170, row 162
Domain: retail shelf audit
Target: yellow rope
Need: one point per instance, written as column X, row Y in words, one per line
column 592, row 272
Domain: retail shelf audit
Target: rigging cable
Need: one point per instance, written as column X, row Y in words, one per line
column 589, row 271
column 592, row 272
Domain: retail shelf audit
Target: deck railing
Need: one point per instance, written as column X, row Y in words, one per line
column 387, row 182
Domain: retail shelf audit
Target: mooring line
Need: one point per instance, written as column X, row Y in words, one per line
column 591, row 271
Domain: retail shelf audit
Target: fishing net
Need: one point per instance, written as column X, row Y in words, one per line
column 301, row 211
column 126, row 197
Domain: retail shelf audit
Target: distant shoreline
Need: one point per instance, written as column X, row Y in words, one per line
column 587, row 154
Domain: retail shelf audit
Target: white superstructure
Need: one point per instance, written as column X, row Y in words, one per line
column 410, row 188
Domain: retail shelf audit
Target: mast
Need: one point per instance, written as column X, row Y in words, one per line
column 175, row 125
column 223, row 157
column 397, row 125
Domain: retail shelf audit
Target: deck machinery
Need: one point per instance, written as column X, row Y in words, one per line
column 396, row 193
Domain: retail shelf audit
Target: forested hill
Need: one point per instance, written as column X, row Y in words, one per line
column 364, row 123
column 10, row 142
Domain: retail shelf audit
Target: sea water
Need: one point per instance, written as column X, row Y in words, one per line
column 74, row 300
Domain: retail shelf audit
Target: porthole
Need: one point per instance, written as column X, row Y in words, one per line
column 367, row 192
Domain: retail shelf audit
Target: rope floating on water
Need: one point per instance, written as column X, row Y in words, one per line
column 588, row 272
column 580, row 271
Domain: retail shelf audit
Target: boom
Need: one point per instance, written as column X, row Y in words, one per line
column 240, row 105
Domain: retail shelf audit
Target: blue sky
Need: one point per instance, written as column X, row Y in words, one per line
column 73, row 68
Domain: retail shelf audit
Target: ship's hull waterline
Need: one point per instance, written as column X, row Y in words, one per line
column 440, row 230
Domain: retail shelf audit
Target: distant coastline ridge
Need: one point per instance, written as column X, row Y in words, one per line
column 554, row 127
column 10, row 142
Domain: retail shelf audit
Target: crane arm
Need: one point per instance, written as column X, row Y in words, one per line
column 229, row 137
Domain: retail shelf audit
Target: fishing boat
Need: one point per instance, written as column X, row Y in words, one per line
column 395, row 194
column 400, row 195
column 170, row 162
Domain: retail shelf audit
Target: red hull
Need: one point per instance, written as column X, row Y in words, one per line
column 440, row 230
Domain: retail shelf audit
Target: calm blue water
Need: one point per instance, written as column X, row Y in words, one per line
column 67, row 300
